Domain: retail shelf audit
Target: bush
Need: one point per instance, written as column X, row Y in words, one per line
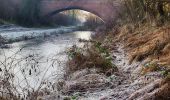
column 2, row 40
column 92, row 55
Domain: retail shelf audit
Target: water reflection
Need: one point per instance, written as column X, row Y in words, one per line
column 83, row 35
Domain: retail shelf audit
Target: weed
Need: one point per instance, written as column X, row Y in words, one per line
column 150, row 67
column 92, row 55
column 67, row 98
column 166, row 72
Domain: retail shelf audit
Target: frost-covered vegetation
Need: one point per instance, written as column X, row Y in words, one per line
column 126, row 61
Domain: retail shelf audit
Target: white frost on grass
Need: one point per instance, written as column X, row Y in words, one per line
column 19, row 32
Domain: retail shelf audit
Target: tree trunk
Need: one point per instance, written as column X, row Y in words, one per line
column 160, row 9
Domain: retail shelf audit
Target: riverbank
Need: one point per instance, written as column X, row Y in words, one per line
column 111, row 65
column 12, row 33
column 146, row 51
column 33, row 65
column 139, row 67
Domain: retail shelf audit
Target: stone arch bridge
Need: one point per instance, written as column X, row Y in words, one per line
column 105, row 9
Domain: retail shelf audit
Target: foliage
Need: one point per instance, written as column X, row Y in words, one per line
column 166, row 72
column 64, row 19
column 92, row 55
column 139, row 11
column 92, row 22
column 29, row 12
column 150, row 67
column 1, row 21
column 7, row 10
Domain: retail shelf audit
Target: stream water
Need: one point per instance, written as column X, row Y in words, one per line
column 39, row 61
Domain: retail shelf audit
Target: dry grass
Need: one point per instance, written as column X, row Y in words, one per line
column 92, row 55
column 152, row 45
column 157, row 90
column 165, row 91
column 9, row 90
column 145, row 43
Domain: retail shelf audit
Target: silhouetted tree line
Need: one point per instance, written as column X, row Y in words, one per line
column 7, row 9
column 65, row 20
column 29, row 12
column 92, row 22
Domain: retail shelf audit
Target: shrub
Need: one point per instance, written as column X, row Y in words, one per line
column 150, row 67
column 154, row 66
column 92, row 55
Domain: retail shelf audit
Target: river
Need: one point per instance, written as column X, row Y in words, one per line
column 39, row 61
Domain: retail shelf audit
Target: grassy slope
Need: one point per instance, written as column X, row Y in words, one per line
column 149, row 44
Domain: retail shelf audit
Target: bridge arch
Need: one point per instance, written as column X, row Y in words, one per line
column 73, row 8
column 102, row 8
